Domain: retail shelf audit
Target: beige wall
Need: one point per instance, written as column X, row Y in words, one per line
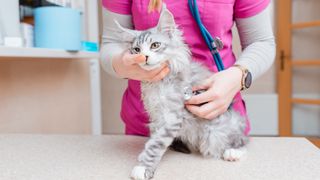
column 44, row 96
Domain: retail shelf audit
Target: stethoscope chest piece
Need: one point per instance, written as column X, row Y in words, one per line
column 187, row 93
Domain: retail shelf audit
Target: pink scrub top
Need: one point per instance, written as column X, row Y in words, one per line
column 218, row 17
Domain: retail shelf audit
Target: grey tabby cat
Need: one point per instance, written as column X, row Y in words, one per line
column 222, row 137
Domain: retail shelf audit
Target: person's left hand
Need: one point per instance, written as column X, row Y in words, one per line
column 220, row 91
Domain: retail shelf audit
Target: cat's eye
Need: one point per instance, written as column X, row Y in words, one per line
column 155, row 45
column 136, row 50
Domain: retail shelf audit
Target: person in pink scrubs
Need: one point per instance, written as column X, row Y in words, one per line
column 252, row 20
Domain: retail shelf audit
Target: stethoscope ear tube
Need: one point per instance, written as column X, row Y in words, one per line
column 213, row 44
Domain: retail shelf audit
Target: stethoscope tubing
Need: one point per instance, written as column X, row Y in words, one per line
column 206, row 35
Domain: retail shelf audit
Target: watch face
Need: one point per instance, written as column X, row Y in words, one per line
column 248, row 80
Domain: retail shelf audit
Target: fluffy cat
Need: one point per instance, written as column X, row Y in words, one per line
column 222, row 137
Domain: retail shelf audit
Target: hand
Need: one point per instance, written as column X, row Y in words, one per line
column 126, row 65
column 220, row 91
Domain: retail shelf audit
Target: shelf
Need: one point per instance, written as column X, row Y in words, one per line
column 22, row 52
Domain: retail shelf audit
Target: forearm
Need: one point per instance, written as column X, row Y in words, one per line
column 258, row 44
column 111, row 48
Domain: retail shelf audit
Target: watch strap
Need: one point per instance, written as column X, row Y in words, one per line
column 245, row 72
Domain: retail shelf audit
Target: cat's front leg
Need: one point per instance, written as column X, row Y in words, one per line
column 154, row 149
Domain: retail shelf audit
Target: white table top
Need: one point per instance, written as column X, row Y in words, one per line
column 70, row 157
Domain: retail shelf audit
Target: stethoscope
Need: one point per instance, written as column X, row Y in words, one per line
column 214, row 44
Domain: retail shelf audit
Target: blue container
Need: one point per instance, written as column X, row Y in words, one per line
column 58, row 28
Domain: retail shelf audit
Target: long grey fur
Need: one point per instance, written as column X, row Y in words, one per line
column 164, row 101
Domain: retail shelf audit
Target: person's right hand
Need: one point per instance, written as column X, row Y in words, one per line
column 126, row 65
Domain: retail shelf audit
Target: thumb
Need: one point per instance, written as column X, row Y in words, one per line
column 204, row 85
column 130, row 59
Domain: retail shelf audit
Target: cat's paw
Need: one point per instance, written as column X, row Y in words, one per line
column 234, row 154
column 141, row 173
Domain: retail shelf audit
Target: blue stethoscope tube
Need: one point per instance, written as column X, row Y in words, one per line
column 206, row 35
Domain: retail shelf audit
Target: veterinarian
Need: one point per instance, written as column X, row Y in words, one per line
column 252, row 20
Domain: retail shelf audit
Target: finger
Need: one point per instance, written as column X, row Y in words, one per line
column 206, row 84
column 150, row 74
column 208, row 108
column 194, row 110
column 161, row 75
column 204, row 110
column 201, row 98
column 156, row 71
column 130, row 59
column 139, row 59
column 215, row 113
column 207, row 111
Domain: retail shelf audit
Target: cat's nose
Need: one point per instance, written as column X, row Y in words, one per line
column 147, row 59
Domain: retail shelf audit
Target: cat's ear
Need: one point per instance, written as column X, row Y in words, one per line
column 166, row 21
column 125, row 33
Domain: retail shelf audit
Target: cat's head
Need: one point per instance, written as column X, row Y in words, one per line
column 158, row 44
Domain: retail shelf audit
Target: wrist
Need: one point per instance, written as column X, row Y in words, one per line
column 237, row 74
column 246, row 77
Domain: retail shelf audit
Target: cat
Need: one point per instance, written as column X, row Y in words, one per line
column 222, row 137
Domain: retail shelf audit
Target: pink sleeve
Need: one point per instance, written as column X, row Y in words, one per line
column 118, row 6
column 248, row 8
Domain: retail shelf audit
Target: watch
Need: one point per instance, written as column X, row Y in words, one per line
column 246, row 79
